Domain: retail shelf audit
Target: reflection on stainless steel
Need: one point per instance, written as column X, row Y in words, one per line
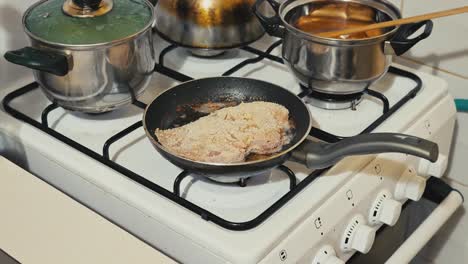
column 102, row 78
column 208, row 24
column 335, row 66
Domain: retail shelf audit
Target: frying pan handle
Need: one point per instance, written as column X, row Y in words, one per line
column 323, row 155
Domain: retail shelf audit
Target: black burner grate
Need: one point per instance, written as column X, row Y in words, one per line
column 295, row 188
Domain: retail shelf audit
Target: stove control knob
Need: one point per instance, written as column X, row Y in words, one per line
column 327, row 255
column 358, row 236
column 410, row 186
column 385, row 210
column 436, row 169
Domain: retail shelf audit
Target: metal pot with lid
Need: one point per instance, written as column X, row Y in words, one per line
column 345, row 65
column 89, row 55
column 208, row 27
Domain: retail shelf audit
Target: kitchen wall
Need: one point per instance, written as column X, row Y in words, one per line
column 445, row 54
column 12, row 37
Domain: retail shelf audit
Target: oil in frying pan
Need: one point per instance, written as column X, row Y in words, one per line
column 191, row 112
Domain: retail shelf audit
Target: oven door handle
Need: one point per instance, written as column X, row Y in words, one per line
column 433, row 223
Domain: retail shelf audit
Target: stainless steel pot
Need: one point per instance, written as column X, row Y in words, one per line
column 92, row 78
column 338, row 66
column 208, row 27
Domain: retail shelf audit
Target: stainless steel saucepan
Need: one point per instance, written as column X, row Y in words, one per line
column 208, row 27
column 338, row 66
column 89, row 55
column 173, row 108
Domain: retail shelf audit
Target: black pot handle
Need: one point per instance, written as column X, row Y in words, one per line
column 272, row 25
column 400, row 41
column 39, row 59
column 320, row 155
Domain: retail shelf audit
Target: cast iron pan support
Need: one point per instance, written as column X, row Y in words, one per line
column 242, row 182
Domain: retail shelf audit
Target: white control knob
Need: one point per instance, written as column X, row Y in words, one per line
column 410, row 186
column 385, row 210
column 436, row 169
column 327, row 255
column 358, row 236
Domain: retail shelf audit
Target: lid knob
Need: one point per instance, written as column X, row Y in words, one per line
column 92, row 4
column 87, row 8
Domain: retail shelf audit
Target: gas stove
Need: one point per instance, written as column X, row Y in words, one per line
column 293, row 215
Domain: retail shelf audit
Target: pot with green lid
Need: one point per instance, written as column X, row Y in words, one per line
column 89, row 55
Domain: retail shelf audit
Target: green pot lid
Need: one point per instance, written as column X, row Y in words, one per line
column 48, row 21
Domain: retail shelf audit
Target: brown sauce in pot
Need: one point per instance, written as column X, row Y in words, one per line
column 338, row 16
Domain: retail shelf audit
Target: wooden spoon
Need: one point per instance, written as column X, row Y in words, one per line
column 396, row 22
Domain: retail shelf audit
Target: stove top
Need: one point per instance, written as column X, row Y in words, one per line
column 121, row 162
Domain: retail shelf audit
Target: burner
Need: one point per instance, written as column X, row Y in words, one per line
column 206, row 53
column 242, row 182
column 332, row 101
column 260, row 178
column 97, row 114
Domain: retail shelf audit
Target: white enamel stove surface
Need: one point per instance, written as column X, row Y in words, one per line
column 292, row 234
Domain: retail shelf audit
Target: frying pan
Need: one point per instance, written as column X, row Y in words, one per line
column 178, row 106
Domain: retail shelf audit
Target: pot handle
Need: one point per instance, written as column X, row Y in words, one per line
column 272, row 25
column 39, row 59
column 319, row 155
column 401, row 43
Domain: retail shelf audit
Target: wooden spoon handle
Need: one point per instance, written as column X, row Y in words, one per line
column 396, row 22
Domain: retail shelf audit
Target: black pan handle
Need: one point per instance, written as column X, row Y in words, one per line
column 38, row 59
column 272, row 25
column 401, row 42
column 323, row 155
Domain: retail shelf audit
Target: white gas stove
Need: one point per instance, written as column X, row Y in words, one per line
column 332, row 213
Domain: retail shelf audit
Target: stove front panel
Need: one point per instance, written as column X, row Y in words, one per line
column 183, row 234
column 371, row 196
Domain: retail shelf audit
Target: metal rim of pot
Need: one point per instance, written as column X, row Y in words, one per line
column 87, row 46
column 399, row 36
column 382, row 5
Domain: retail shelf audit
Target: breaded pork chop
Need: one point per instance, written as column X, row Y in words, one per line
column 230, row 134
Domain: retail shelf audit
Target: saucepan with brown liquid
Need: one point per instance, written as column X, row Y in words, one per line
column 346, row 64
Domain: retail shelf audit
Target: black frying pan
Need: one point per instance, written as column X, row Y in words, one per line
column 180, row 105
